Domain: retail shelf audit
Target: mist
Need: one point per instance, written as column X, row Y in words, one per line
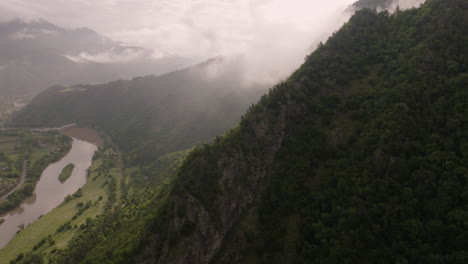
column 404, row 4
column 267, row 39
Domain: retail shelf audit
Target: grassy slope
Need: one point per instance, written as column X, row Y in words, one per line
column 7, row 146
column 48, row 224
column 149, row 187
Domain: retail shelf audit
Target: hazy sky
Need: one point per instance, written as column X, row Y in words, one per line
column 272, row 37
column 187, row 27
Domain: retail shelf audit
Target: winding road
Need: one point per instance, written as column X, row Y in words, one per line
column 20, row 184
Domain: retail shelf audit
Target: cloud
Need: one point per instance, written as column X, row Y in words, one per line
column 49, row 32
column 110, row 56
column 20, row 35
column 270, row 38
column 31, row 33
column 194, row 28
column 2, row 67
column 405, row 4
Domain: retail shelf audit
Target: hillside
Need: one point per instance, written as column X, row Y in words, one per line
column 37, row 55
column 359, row 157
column 151, row 115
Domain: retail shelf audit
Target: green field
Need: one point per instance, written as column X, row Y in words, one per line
column 18, row 146
column 10, row 172
column 8, row 147
column 93, row 192
column 41, row 152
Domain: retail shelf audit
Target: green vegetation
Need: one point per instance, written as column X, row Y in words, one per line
column 54, row 230
column 155, row 171
column 66, row 172
column 31, row 151
column 88, row 212
column 359, row 157
column 374, row 164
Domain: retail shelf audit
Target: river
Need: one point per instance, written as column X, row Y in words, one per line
column 49, row 191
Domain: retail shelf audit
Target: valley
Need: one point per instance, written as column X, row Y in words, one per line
column 57, row 212
column 24, row 155
column 49, row 191
column 74, row 207
column 359, row 156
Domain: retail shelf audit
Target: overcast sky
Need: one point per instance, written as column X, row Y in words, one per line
column 272, row 37
column 200, row 28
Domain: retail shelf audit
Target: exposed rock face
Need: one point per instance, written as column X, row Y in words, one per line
column 197, row 231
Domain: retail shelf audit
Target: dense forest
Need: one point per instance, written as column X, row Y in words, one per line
column 359, row 157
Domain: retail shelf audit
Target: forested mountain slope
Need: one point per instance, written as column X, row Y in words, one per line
column 160, row 114
column 359, row 157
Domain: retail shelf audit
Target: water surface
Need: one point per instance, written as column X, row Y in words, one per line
column 49, row 191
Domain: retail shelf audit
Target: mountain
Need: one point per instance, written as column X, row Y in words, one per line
column 37, row 55
column 359, row 157
column 154, row 115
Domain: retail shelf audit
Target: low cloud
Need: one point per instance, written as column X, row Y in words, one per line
column 269, row 38
column 49, row 32
column 405, row 4
column 21, row 35
column 111, row 56
column 202, row 28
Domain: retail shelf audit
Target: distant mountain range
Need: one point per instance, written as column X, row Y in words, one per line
column 37, row 55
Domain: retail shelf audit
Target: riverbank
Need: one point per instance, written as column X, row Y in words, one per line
column 86, row 134
column 32, row 177
column 50, row 192
column 40, row 159
column 32, row 152
column 72, row 215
